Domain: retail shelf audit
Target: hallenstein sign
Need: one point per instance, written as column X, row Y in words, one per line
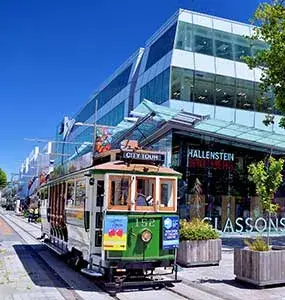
column 249, row 224
column 202, row 154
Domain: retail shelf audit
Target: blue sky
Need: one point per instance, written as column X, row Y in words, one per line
column 54, row 53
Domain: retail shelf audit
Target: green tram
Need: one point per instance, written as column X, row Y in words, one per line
column 117, row 219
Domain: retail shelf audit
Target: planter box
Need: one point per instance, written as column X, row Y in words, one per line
column 198, row 253
column 260, row 267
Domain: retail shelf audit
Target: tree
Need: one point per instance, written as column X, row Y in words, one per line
column 270, row 21
column 3, row 179
column 267, row 177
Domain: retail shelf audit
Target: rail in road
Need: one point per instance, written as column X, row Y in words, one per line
column 72, row 285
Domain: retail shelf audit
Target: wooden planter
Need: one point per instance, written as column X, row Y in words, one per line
column 260, row 267
column 199, row 253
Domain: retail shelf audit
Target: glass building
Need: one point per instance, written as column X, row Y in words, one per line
column 192, row 64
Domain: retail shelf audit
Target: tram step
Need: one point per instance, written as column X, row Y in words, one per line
column 91, row 272
column 56, row 249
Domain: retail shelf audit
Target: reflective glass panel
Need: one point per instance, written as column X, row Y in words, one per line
column 182, row 84
column 245, row 94
column 203, row 40
column 204, row 87
column 241, row 48
column 184, row 36
column 223, row 44
column 225, row 91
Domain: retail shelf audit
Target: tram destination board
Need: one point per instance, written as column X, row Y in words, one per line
column 143, row 157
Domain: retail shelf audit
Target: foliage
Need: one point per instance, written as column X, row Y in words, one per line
column 259, row 244
column 3, row 179
column 269, row 20
column 267, row 177
column 197, row 229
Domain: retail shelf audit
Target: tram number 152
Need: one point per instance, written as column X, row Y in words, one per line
column 140, row 222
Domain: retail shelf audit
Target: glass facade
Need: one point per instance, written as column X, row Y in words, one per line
column 207, row 88
column 111, row 90
column 205, row 40
column 157, row 90
column 115, row 116
column 220, row 171
column 161, row 47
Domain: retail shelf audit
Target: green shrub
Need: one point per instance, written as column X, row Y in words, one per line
column 26, row 214
column 259, row 244
column 197, row 229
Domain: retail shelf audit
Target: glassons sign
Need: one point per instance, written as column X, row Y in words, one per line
column 203, row 159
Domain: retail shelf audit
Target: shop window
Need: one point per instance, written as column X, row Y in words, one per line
column 225, row 91
column 184, row 36
column 245, row 94
column 120, row 191
column 80, row 193
column 204, row 88
column 145, row 193
column 167, row 194
column 70, row 201
column 203, row 40
column 223, row 45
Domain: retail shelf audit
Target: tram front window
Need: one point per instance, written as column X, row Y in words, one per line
column 167, row 193
column 120, row 190
column 145, row 191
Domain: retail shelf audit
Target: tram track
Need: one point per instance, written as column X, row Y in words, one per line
column 67, row 290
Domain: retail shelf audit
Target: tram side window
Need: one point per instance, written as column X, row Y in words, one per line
column 166, row 193
column 70, row 194
column 80, row 193
column 120, row 190
column 145, row 194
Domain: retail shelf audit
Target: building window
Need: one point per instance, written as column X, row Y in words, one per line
column 204, row 87
column 225, row 91
column 241, row 48
column 157, row 90
column 184, row 36
column 161, row 46
column 203, row 40
column 245, row 94
column 223, row 45
column 115, row 116
column 182, row 84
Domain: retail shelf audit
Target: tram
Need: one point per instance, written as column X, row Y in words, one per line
column 116, row 219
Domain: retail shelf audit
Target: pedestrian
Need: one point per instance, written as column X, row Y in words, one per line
column 31, row 214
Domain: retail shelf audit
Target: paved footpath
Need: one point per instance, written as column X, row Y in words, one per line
column 199, row 283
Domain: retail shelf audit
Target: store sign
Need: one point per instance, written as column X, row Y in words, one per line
column 115, row 233
column 170, row 232
column 156, row 158
column 213, row 159
column 249, row 224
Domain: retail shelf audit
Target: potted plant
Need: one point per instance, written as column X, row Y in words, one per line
column 259, row 263
column 199, row 244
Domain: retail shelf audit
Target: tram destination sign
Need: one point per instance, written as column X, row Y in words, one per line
column 141, row 157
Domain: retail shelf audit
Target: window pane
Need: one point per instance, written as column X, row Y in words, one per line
column 182, row 84
column 70, row 194
column 264, row 103
column 223, row 45
column 161, row 47
column 241, row 48
column 120, row 191
column 166, row 194
column 203, row 40
column 80, row 193
column 145, row 192
column 184, row 36
column 204, row 87
column 225, row 91
column 245, row 94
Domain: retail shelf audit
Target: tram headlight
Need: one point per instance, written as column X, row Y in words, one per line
column 146, row 236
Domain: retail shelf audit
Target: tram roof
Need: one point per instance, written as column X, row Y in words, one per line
column 152, row 122
column 119, row 166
